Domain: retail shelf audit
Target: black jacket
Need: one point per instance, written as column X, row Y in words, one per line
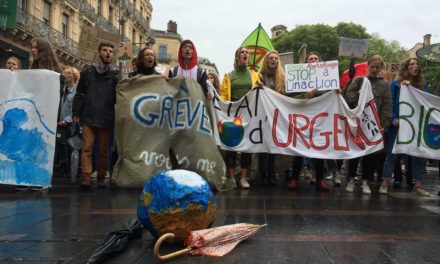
column 95, row 97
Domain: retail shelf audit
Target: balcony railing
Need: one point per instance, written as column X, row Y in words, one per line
column 36, row 27
column 75, row 3
column 106, row 25
column 141, row 21
column 88, row 11
column 163, row 57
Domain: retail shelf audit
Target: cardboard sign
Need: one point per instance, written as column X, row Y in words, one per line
column 89, row 42
column 125, row 51
column 351, row 47
column 305, row 77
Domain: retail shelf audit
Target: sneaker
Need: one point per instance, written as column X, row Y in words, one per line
column 421, row 192
column 383, row 189
column 349, row 187
column 22, row 188
column 293, row 185
column 94, row 174
column 101, row 184
column 337, row 178
column 244, row 183
column 85, row 184
column 321, row 186
column 308, row 174
column 39, row 188
column 366, row 188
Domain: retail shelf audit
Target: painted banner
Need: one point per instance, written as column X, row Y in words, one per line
column 153, row 115
column 28, row 116
column 352, row 47
column 323, row 75
column 322, row 127
column 419, row 124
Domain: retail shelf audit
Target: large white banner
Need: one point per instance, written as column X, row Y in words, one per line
column 28, row 115
column 419, row 124
column 322, row 127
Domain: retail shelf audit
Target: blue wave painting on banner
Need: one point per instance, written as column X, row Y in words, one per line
column 28, row 112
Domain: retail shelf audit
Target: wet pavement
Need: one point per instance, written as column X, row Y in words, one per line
column 65, row 224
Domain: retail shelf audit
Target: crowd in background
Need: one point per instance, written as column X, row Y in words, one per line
column 87, row 106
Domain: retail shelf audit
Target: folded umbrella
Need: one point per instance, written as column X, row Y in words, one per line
column 116, row 241
column 214, row 242
column 75, row 142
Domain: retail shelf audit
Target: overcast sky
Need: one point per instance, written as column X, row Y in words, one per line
column 218, row 27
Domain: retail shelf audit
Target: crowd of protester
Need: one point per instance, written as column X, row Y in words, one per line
column 87, row 104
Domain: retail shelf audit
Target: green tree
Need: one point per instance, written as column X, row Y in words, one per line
column 391, row 51
column 325, row 40
column 431, row 71
column 319, row 37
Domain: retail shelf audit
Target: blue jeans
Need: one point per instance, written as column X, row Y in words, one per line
column 390, row 161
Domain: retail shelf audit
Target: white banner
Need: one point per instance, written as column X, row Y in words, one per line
column 419, row 124
column 28, row 115
column 322, row 127
column 323, row 75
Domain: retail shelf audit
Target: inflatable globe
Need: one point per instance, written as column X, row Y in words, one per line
column 177, row 201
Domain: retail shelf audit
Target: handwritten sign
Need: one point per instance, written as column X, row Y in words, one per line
column 351, row 47
column 305, row 77
column 89, row 41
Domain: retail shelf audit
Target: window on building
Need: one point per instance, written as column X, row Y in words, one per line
column 141, row 40
column 133, row 36
column 22, row 4
column 99, row 7
column 162, row 49
column 46, row 13
column 111, row 14
column 64, row 24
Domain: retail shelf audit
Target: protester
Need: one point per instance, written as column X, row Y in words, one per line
column 94, row 108
column 382, row 100
column 146, row 62
column 188, row 66
column 65, row 126
column 272, row 75
column 133, row 71
column 234, row 86
column 409, row 74
column 13, row 63
column 43, row 57
column 213, row 78
column 298, row 161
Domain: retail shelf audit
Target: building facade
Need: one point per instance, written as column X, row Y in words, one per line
column 167, row 45
column 60, row 22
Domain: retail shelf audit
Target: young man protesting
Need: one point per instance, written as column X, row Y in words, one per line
column 94, row 108
column 188, row 67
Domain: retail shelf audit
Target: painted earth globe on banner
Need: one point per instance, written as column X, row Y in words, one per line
column 177, row 201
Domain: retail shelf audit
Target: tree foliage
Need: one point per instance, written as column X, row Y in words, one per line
column 324, row 39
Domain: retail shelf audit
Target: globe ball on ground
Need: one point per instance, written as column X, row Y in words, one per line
column 176, row 201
